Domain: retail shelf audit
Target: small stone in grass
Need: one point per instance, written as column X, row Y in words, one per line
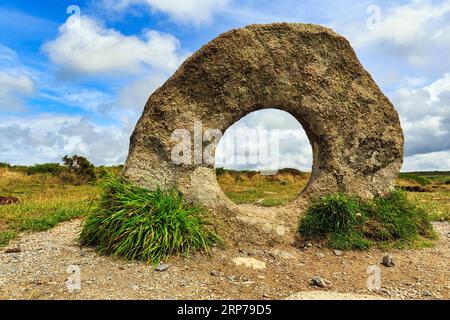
column 162, row 267
column 338, row 253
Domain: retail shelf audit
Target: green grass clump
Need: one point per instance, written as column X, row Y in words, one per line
column 6, row 237
column 136, row 223
column 350, row 223
column 331, row 213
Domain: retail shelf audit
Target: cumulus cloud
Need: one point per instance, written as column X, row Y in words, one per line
column 135, row 94
column 48, row 137
column 86, row 47
column 87, row 99
column 431, row 161
column 13, row 89
column 181, row 11
column 416, row 32
column 403, row 25
column 265, row 140
column 425, row 116
column 16, row 81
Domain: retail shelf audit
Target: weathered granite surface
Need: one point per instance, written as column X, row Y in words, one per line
column 307, row 70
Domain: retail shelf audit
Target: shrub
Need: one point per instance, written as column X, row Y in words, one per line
column 350, row 223
column 291, row 171
column 4, row 165
column 136, row 223
column 79, row 170
column 54, row 169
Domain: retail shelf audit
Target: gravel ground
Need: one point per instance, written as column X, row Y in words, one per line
column 41, row 267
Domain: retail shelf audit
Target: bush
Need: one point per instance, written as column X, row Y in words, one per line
column 79, row 170
column 4, row 165
column 350, row 223
column 136, row 223
column 291, row 171
column 54, row 169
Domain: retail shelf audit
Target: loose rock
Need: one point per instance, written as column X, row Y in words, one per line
column 427, row 293
column 162, row 267
column 250, row 263
column 388, row 261
column 318, row 282
column 338, row 253
column 13, row 250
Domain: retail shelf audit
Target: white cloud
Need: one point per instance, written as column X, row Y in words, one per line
column 135, row 95
column 87, row 99
column 181, row 11
column 7, row 54
column 425, row 116
column 438, row 87
column 439, row 161
column 290, row 149
column 404, row 25
column 88, row 48
column 417, row 32
column 48, row 137
column 16, row 81
column 13, row 88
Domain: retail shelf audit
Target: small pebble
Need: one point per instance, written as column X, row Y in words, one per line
column 427, row 293
column 162, row 267
column 318, row 282
column 388, row 261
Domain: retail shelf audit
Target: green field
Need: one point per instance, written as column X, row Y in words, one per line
column 284, row 187
column 46, row 200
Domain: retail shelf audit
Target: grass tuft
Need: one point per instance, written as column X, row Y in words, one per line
column 6, row 237
column 136, row 223
column 350, row 223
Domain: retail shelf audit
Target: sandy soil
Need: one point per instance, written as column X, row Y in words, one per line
column 40, row 271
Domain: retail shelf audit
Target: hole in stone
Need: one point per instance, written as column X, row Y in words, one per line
column 265, row 159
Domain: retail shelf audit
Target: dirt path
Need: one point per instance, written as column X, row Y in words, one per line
column 39, row 271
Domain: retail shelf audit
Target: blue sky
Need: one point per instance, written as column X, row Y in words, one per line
column 70, row 85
